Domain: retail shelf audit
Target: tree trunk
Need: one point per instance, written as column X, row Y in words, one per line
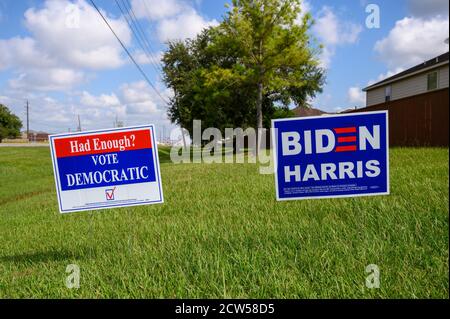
column 259, row 117
column 259, row 100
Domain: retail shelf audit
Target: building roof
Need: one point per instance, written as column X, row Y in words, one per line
column 307, row 111
column 441, row 59
column 350, row 110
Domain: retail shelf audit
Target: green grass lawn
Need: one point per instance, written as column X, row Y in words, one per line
column 221, row 233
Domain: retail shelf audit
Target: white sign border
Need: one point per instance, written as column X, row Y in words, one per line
column 275, row 155
column 76, row 134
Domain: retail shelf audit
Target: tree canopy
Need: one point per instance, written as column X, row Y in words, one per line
column 247, row 70
column 10, row 124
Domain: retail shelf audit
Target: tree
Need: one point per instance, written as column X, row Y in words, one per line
column 246, row 70
column 208, row 84
column 10, row 124
column 275, row 45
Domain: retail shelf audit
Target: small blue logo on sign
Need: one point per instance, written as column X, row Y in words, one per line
column 331, row 156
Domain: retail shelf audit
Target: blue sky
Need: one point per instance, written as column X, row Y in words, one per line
column 60, row 55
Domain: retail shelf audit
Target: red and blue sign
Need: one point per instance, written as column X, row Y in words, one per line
column 106, row 168
column 340, row 155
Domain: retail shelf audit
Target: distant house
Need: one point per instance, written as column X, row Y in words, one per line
column 425, row 78
column 40, row 136
column 418, row 103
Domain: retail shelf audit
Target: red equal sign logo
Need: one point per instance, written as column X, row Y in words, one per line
column 349, row 139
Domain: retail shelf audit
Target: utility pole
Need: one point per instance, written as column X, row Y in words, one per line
column 28, row 119
column 117, row 122
column 79, row 123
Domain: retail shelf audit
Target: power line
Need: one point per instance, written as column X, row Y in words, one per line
column 145, row 39
column 147, row 10
column 136, row 30
column 128, row 52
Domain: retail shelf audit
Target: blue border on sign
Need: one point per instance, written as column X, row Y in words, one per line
column 155, row 155
column 275, row 155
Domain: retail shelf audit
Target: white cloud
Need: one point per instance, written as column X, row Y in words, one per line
column 46, row 113
column 73, row 34
column 139, row 98
column 96, row 111
column 61, row 52
column 136, row 101
column 156, row 9
column 99, row 110
column 147, row 107
column 305, row 7
column 326, row 26
column 103, row 100
column 332, row 32
column 67, row 38
column 143, row 58
column 174, row 19
column 136, row 92
column 143, row 105
column 356, row 96
column 323, row 102
column 421, row 8
column 50, row 79
column 326, row 56
column 185, row 25
column 412, row 41
column 22, row 52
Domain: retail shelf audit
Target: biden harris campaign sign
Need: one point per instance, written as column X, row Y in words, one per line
column 106, row 168
column 331, row 156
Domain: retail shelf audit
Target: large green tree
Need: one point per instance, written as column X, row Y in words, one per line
column 208, row 84
column 275, row 43
column 10, row 124
column 246, row 70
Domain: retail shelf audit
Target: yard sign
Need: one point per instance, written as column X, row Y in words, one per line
column 331, row 156
column 106, row 168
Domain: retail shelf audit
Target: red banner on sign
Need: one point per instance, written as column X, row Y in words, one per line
column 103, row 143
